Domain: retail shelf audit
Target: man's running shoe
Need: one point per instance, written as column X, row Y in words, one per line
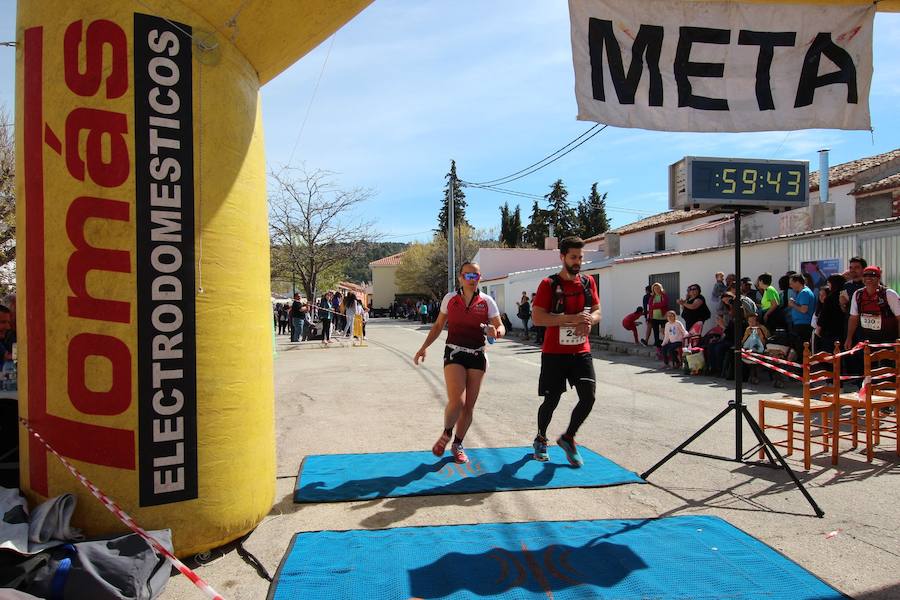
column 440, row 445
column 571, row 451
column 540, row 449
column 459, row 454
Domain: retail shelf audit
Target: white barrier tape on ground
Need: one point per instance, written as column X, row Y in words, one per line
column 126, row 519
column 753, row 358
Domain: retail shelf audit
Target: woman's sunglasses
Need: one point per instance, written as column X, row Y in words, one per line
column 472, row 276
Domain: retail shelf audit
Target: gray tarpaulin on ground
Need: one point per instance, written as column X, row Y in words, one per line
column 47, row 557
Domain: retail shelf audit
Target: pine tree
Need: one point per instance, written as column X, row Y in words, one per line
column 516, row 229
column 561, row 215
column 592, row 219
column 505, row 224
column 459, row 202
column 537, row 229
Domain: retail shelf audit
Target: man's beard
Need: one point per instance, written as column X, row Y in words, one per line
column 573, row 270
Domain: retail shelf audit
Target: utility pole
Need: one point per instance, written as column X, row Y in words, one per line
column 451, row 250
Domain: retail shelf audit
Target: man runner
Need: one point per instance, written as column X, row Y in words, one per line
column 469, row 316
column 566, row 304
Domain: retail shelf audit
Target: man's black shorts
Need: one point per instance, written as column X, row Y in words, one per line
column 466, row 359
column 557, row 369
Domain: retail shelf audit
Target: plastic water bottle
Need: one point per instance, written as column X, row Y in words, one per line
column 484, row 328
column 9, row 376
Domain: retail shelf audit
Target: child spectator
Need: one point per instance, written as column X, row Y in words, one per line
column 630, row 322
column 672, row 339
column 754, row 340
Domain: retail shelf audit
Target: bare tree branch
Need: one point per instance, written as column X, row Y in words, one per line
column 313, row 224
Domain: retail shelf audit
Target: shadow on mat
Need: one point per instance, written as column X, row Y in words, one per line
column 545, row 570
column 475, row 482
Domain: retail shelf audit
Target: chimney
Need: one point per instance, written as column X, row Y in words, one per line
column 823, row 176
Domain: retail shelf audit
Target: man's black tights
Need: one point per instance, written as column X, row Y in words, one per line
column 586, row 393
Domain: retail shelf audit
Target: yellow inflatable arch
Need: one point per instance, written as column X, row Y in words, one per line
column 143, row 253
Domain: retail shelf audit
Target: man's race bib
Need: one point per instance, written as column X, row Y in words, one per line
column 568, row 337
column 872, row 322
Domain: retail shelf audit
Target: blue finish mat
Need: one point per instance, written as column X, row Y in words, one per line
column 342, row 477
column 684, row 557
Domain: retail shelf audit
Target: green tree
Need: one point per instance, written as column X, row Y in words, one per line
column 356, row 268
column 504, row 222
column 560, row 214
column 592, row 219
column 516, row 227
column 459, row 202
column 424, row 267
column 537, row 228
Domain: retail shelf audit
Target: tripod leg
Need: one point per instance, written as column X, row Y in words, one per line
column 684, row 444
column 763, row 439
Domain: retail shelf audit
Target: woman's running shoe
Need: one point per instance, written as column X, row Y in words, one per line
column 571, row 451
column 540, row 449
column 459, row 455
column 440, row 445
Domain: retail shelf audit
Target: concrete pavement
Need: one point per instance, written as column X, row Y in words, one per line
column 372, row 399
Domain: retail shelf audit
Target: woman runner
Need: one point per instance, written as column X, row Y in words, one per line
column 469, row 316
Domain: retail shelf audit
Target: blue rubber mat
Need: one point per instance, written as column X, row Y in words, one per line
column 693, row 557
column 342, row 477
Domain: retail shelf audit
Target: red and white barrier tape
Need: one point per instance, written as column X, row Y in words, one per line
column 753, row 358
column 126, row 519
column 774, row 359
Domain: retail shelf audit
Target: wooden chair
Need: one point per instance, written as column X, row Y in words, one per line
column 881, row 392
column 819, row 390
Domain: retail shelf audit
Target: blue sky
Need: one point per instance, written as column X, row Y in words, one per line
column 409, row 85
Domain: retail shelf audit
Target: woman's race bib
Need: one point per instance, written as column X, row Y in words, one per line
column 568, row 337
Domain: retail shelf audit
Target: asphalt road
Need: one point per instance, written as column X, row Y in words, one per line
column 373, row 399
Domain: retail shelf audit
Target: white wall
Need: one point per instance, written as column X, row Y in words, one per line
column 844, row 203
column 705, row 238
column 642, row 242
column 496, row 262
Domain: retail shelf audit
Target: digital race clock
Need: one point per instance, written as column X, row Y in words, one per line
column 727, row 184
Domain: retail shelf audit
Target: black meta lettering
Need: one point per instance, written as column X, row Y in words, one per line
column 809, row 76
column 685, row 69
column 647, row 46
column 767, row 41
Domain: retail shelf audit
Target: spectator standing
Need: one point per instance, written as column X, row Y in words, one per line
column 770, row 302
column 693, row 307
column 423, row 312
column 645, row 304
column 282, row 319
column 873, row 311
column 524, row 312
column 830, row 323
column 659, row 304
column 748, row 291
column 854, row 282
column 719, row 288
column 325, row 316
column 297, row 317
column 802, row 307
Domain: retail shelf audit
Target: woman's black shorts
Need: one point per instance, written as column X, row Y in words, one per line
column 468, row 360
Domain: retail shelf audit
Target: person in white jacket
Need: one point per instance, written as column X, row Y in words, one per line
column 673, row 338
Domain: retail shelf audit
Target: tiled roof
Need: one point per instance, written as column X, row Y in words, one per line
column 707, row 225
column 666, row 218
column 814, row 233
column 845, row 172
column 388, row 261
column 596, row 238
column 890, row 182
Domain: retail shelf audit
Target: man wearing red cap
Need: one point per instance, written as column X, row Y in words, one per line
column 873, row 310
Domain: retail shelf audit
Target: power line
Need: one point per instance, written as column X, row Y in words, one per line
column 537, row 197
column 546, row 161
column 313, row 97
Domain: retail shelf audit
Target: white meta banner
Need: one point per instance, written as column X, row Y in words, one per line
column 676, row 65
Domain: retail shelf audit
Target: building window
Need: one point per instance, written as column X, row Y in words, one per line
column 660, row 241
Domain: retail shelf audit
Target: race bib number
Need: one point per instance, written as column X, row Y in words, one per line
column 872, row 322
column 568, row 337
